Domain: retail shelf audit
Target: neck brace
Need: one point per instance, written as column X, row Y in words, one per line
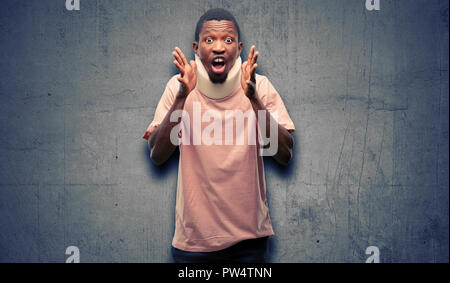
column 218, row 91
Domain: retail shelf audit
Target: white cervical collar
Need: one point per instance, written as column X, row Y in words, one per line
column 218, row 91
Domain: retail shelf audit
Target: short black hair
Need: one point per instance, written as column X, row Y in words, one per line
column 218, row 14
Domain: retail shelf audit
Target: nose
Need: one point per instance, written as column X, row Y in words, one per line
column 219, row 47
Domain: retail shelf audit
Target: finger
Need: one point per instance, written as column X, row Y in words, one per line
column 252, row 76
column 255, row 57
column 181, row 80
column 181, row 55
column 250, row 54
column 245, row 70
column 254, row 68
column 244, row 65
column 179, row 67
column 194, row 65
column 177, row 57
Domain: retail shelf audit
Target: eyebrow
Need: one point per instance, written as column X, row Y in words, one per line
column 213, row 30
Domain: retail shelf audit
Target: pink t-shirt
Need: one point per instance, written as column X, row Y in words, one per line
column 221, row 191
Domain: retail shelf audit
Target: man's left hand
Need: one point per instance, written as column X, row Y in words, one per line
column 248, row 81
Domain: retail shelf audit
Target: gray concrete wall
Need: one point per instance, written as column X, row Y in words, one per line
column 367, row 91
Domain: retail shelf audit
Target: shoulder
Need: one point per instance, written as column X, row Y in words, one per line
column 172, row 86
column 264, row 88
column 170, row 91
column 261, row 80
column 263, row 84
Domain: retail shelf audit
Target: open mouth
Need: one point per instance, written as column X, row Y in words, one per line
column 218, row 65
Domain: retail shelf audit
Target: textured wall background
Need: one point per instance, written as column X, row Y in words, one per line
column 367, row 91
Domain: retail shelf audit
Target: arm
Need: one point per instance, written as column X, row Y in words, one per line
column 285, row 139
column 161, row 148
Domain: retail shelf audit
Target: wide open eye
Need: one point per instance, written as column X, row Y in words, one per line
column 209, row 40
column 228, row 40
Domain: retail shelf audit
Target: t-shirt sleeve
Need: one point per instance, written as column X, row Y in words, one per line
column 164, row 105
column 273, row 102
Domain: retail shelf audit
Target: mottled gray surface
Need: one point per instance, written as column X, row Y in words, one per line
column 367, row 91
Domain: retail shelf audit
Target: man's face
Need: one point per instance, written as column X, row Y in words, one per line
column 218, row 48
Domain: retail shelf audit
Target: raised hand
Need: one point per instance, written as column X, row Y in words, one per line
column 248, row 73
column 188, row 72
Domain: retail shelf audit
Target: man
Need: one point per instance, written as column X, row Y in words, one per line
column 221, row 207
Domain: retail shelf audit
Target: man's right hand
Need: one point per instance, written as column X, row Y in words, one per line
column 188, row 72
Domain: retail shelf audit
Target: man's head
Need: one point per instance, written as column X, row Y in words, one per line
column 217, row 43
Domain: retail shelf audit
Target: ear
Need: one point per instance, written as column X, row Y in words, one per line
column 195, row 47
column 240, row 48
